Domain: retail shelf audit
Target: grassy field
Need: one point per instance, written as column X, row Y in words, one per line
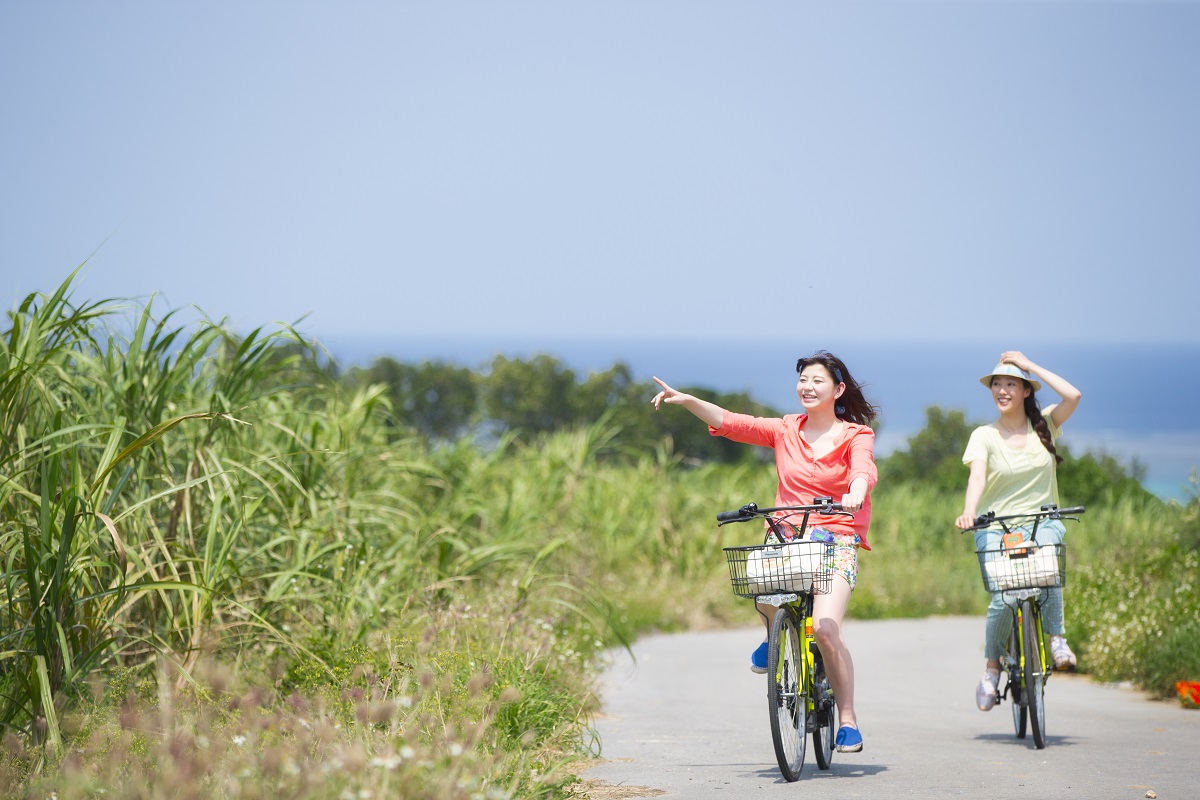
column 228, row 575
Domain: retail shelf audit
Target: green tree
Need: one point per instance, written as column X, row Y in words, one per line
column 438, row 400
column 934, row 455
column 603, row 391
column 536, row 396
column 1096, row 478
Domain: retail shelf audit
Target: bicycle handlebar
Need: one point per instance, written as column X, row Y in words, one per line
column 1050, row 511
column 820, row 505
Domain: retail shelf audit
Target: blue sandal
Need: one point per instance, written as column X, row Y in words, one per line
column 758, row 659
column 849, row 740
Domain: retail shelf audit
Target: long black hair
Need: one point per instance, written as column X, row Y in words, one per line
column 1034, row 411
column 852, row 405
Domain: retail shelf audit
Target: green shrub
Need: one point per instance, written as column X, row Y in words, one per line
column 1137, row 621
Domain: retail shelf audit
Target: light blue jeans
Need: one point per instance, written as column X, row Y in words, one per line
column 999, row 614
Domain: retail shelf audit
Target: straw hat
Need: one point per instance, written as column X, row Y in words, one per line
column 1011, row 371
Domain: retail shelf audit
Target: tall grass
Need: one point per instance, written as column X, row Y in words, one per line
column 173, row 498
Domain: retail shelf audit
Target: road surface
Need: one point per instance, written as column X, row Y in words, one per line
column 688, row 719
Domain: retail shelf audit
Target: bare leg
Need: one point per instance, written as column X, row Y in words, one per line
column 828, row 612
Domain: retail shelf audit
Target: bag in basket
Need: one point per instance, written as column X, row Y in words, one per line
column 788, row 569
column 1039, row 569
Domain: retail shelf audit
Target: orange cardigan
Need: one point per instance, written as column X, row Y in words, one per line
column 802, row 477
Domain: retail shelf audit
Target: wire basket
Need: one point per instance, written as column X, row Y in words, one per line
column 1042, row 567
column 801, row 567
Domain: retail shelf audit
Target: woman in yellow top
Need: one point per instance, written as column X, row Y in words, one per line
column 1012, row 464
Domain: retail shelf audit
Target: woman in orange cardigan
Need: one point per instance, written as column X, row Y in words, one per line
column 828, row 451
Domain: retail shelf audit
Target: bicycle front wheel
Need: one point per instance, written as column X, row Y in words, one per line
column 787, row 692
column 1035, row 672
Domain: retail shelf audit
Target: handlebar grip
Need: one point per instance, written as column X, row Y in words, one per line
column 745, row 512
column 1071, row 510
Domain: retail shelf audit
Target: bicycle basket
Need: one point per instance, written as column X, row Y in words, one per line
column 800, row 567
column 1040, row 568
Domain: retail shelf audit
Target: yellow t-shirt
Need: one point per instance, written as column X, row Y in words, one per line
column 1019, row 480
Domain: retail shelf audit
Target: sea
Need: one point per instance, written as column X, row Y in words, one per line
column 1139, row 400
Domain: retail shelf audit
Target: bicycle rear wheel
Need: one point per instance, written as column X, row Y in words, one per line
column 787, row 692
column 823, row 713
column 1035, row 672
column 1015, row 680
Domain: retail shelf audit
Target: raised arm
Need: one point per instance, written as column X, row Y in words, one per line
column 1069, row 394
column 707, row 412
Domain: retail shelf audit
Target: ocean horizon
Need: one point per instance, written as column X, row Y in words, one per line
column 1136, row 397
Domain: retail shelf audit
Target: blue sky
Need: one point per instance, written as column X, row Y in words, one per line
column 908, row 170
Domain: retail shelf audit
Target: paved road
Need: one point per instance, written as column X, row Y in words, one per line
column 689, row 719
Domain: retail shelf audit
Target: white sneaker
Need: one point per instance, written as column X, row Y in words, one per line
column 1063, row 657
column 986, row 693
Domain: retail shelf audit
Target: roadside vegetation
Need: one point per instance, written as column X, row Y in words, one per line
column 232, row 570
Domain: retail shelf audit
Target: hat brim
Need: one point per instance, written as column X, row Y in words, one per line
column 986, row 380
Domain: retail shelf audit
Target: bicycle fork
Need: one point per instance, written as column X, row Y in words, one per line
column 1042, row 671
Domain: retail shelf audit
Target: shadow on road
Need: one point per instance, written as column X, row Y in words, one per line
column 1027, row 742
column 813, row 773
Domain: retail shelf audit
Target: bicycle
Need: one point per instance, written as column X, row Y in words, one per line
column 786, row 575
column 1020, row 570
